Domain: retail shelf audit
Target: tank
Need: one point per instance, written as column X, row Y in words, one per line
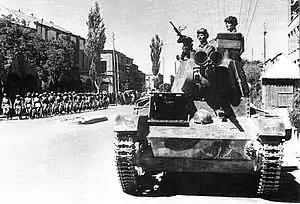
column 206, row 124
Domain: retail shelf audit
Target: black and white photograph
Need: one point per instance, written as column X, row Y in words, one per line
column 149, row 101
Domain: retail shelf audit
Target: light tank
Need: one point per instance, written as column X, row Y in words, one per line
column 206, row 124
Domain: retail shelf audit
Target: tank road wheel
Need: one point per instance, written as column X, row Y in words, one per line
column 270, row 160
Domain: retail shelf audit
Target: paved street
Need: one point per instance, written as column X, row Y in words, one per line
column 55, row 160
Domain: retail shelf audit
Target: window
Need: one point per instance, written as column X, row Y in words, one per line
column 285, row 96
column 103, row 67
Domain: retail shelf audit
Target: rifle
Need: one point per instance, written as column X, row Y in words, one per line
column 186, row 41
column 176, row 30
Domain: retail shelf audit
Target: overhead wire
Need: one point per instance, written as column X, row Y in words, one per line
column 218, row 8
column 219, row 12
column 210, row 16
column 224, row 8
column 247, row 14
column 241, row 6
column 253, row 14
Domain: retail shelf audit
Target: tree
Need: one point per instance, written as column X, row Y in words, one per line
column 19, row 44
column 156, row 47
column 158, row 80
column 253, row 70
column 95, row 42
column 294, row 111
column 165, row 87
column 59, row 65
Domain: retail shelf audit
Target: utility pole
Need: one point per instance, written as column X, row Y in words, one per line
column 115, row 66
column 252, row 54
column 299, row 32
column 265, row 41
column 163, row 61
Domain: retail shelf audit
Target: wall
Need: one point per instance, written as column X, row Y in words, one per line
column 277, row 93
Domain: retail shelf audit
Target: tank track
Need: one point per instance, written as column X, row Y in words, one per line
column 271, row 160
column 125, row 153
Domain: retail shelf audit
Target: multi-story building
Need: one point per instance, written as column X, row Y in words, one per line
column 48, row 31
column 119, row 73
column 293, row 31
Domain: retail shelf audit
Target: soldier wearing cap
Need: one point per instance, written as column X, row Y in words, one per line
column 204, row 46
column 6, row 105
column 17, row 105
column 230, row 24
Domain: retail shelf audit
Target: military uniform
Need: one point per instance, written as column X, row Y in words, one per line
column 207, row 48
column 6, row 105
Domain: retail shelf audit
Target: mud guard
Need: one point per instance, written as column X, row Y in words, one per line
column 126, row 123
column 270, row 128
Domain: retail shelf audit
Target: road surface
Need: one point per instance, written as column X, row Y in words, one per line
column 55, row 160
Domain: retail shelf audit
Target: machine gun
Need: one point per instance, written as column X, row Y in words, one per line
column 186, row 41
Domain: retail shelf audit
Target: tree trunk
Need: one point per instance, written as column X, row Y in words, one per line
column 97, row 86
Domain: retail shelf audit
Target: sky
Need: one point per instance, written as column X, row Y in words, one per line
column 135, row 22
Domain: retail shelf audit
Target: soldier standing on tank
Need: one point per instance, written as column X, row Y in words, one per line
column 222, row 106
column 230, row 24
column 204, row 45
column 207, row 70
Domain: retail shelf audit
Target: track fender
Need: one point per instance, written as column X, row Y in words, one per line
column 126, row 123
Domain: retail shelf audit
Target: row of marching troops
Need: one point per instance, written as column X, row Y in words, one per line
column 35, row 105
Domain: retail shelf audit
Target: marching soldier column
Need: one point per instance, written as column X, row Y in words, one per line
column 35, row 105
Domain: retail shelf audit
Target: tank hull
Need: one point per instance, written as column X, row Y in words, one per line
column 199, row 148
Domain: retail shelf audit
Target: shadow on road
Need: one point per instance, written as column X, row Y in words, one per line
column 228, row 185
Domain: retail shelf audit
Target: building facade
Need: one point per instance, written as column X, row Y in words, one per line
column 119, row 73
column 280, row 81
column 293, row 31
column 48, row 31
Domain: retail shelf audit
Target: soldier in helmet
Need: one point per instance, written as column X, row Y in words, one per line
column 204, row 46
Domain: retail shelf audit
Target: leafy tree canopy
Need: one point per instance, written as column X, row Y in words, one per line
column 158, row 80
column 53, row 60
column 95, row 42
column 155, row 51
column 165, row 87
column 253, row 70
column 59, row 62
column 294, row 111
